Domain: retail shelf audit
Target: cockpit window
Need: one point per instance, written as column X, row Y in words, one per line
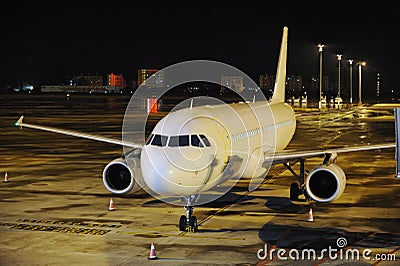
column 205, row 140
column 159, row 140
column 175, row 141
column 184, row 140
column 149, row 139
column 195, row 141
column 178, row 141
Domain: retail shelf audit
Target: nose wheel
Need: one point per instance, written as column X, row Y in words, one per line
column 188, row 222
column 190, row 226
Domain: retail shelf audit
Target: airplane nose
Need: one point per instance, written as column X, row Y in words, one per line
column 176, row 171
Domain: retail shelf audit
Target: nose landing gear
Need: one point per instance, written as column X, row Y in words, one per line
column 188, row 222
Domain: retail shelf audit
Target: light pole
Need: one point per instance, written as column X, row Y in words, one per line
column 351, row 81
column 360, row 64
column 320, row 46
column 339, row 58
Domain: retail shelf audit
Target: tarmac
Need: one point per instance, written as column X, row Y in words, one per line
column 55, row 208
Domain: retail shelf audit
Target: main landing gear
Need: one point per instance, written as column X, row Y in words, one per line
column 298, row 188
column 188, row 222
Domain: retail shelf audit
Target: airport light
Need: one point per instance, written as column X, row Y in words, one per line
column 351, row 81
column 339, row 58
column 320, row 48
column 360, row 64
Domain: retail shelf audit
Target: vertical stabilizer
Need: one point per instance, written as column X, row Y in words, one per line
column 280, row 78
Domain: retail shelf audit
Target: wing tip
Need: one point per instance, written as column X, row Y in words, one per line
column 19, row 121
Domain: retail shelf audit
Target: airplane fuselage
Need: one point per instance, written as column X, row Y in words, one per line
column 194, row 149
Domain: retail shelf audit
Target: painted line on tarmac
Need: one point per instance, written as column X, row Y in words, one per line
column 51, row 226
column 68, row 223
column 58, row 229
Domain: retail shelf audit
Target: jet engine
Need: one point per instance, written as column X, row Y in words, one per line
column 325, row 182
column 120, row 178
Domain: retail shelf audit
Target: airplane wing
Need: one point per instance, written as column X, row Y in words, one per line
column 289, row 155
column 20, row 123
column 339, row 113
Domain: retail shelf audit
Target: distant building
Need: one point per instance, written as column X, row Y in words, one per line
column 378, row 85
column 315, row 87
column 131, row 84
column 116, row 80
column 235, row 83
column 157, row 80
column 89, row 84
column 344, row 82
column 294, row 85
column 267, row 83
column 86, row 80
column 79, row 89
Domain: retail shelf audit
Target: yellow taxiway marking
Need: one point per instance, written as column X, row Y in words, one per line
column 68, row 223
column 58, row 229
column 60, row 226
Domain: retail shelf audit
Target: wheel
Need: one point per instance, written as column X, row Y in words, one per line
column 308, row 198
column 294, row 191
column 182, row 223
column 193, row 223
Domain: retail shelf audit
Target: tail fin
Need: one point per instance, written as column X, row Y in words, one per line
column 280, row 78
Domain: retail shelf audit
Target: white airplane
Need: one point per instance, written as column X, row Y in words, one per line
column 218, row 143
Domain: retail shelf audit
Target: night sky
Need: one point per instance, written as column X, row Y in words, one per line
column 56, row 39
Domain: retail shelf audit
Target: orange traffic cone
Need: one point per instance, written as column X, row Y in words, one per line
column 6, row 177
column 310, row 216
column 111, row 207
column 153, row 255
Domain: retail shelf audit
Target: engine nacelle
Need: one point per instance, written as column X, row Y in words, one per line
column 119, row 178
column 325, row 182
